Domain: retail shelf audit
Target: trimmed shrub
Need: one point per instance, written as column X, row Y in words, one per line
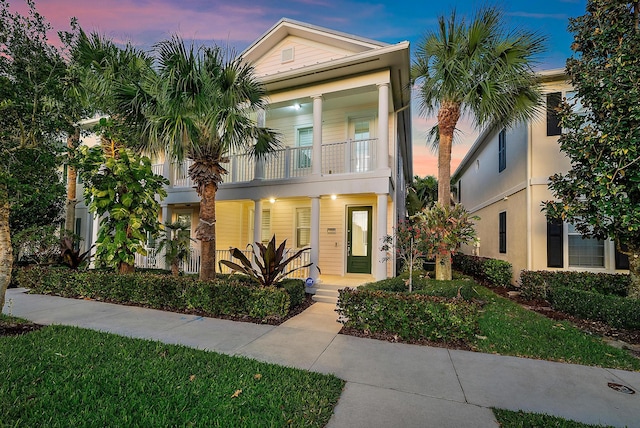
column 423, row 285
column 614, row 310
column 537, row 284
column 224, row 296
column 296, row 290
column 409, row 316
column 493, row 271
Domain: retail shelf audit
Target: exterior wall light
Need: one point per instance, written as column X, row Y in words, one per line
column 333, row 197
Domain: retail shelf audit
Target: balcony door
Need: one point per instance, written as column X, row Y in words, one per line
column 304, row 142
column 359, row 237
column 361, row 150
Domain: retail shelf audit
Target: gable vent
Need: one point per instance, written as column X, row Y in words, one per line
column 287, row 54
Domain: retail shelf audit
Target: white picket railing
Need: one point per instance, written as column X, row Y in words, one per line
column 155, row 260
column 352, row 156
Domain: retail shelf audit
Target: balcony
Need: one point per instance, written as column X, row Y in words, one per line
column 347, row 157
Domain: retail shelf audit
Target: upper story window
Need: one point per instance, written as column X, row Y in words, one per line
column 502, row 150
column 553, row 120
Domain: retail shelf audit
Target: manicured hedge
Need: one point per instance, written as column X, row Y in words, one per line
column 409, row 316
column 424, row 285
column 614, row 310
column 296, row 290
column 537, row 284
column 227, row 295
column 493, row 271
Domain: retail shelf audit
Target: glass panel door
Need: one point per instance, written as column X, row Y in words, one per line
column 359, row 236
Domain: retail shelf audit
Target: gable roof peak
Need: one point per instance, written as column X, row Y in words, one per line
column 290, row 27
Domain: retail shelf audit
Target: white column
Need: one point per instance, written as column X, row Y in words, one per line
column 316, row 153
column 166, row 218
column 258, row 171
column 381, row 230
column 257, row 221
column 382, row 150
column 95, row 226
column 315, row 236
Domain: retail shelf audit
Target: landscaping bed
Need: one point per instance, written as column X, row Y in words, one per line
column 502, row 326
column 232, row 297
column 10, row 326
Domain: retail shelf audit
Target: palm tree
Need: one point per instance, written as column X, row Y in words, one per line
column 177, row 245
column 198, row 105
column 480, row 69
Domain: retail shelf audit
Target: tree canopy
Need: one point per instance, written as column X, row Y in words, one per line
column 600, row 194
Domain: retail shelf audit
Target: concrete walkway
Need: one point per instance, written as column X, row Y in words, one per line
column 388, row 384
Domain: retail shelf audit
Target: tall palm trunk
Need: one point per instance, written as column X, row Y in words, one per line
column 448, row 116
column 206, row 231
column 72, row 176
column 6, row 252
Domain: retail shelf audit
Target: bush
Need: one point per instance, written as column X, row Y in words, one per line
column 224, row 296
column 493, row 271
column 296, row 290
column 409, row 316
column 614, row 310
column 424, row 285
column 537, row 284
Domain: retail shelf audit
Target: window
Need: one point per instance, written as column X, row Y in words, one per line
column 303, row 227
column 265, row 227
column 502, row 150
column 305, row 141
column 459, row 191
column 584, row 252
column 553, row 121
column 502, row 232
column 361, row 137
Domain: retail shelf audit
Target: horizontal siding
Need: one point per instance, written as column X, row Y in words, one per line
column 306, row 52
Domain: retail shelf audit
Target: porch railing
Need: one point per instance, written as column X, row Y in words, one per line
column 352, row 156
column 155, row 260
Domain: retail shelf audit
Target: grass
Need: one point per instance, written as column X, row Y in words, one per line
column 67, row 376
column 506, row 328
column 520, row 419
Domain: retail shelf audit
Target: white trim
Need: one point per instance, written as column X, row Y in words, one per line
column 517, row 188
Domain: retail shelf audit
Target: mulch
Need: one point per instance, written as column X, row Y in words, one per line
column 16, row 329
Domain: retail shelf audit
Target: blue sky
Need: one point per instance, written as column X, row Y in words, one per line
column 237, row 23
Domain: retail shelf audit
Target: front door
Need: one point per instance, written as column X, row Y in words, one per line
column 359, row 239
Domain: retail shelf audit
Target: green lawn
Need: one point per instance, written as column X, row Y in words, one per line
column 66, row 376
column 509, row 419
column 507, row 328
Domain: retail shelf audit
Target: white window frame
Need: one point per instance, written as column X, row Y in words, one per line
column 299, row 227
column 607, row 253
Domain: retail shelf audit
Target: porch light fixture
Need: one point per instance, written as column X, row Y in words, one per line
column 333, row 197
column 296, row 106
column 272, row 200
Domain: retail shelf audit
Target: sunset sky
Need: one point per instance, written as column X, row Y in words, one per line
column 237, row 23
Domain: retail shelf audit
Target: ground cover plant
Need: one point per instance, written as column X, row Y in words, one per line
column 502, row 326
column 520, row 419
column 227, row 296
column 67, row 376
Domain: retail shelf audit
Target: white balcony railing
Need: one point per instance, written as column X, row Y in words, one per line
column 353, row 156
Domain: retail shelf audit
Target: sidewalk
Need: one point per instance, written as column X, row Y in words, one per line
column 388, row 384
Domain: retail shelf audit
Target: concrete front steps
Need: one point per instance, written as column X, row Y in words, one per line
column 326, row 289
column 325, row 295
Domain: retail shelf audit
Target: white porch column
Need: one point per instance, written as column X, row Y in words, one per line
column 257, row 221
column 381, row 230
column 95, row 226
column 166, row 218
column 258, row 169
column 315, row 237
column 382, row 150
column 316, row 153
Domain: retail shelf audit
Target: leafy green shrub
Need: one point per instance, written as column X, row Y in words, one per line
column 409, row 316
column 537, row 284
column 224, row 296
column 423, row 285
column 496, row 272
column 616, row 311
column 296, row 290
